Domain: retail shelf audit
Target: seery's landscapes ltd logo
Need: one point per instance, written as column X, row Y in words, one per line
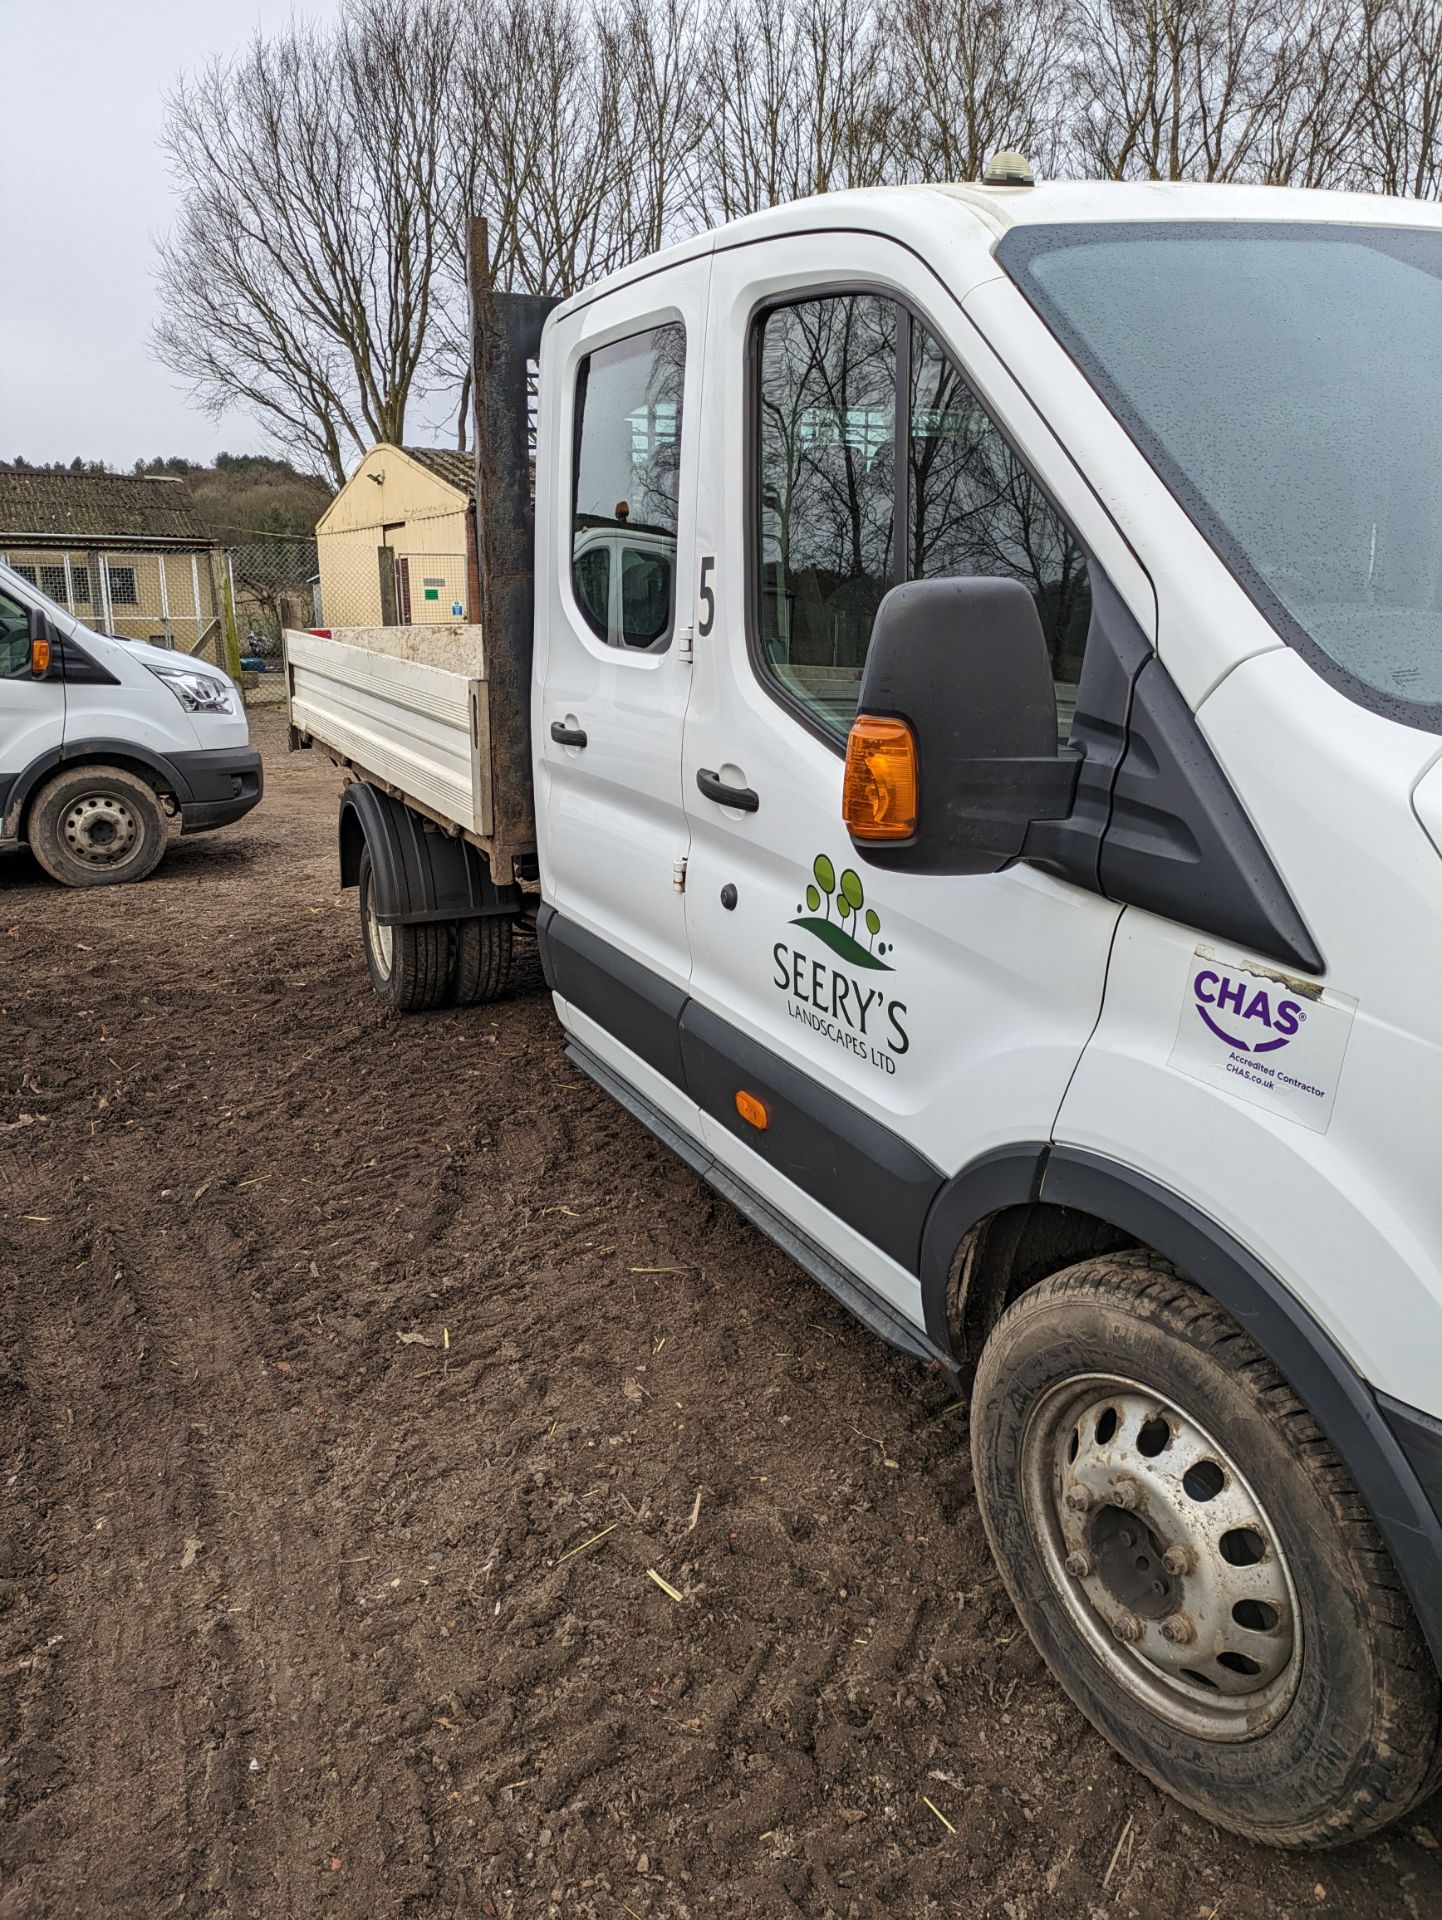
column 840, row 997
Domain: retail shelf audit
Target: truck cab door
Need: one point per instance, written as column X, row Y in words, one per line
column 32, row 712
column 616, row 503
column 891, row 1028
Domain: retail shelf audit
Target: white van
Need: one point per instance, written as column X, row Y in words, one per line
column 104, row 741
column 1012, row 874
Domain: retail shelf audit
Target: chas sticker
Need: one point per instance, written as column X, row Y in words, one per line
column 1265, row 1037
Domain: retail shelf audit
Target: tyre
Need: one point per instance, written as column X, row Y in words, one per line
column 480, row 961
column 97, row 827
column 409, row 965
column 1194, row 1562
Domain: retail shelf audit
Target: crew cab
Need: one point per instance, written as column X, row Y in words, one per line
column 105, row 742
column 1009, row 868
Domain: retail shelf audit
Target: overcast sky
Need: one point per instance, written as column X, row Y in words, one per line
column 84, row 195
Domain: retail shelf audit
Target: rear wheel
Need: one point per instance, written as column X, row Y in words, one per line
column 481, row 960
column 97, row 827
column 1194, row 1562
column 409, row 965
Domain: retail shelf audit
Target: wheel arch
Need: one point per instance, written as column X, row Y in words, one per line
column 1024, row 1212
column 153, row 768
column 419, row 872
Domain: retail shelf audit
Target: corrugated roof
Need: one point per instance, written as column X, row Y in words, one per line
column 83, row 508
column 458, row 470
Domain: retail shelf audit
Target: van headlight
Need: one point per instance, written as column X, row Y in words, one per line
column 197, row 692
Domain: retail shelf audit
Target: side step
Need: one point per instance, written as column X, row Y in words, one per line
column 839, row 1281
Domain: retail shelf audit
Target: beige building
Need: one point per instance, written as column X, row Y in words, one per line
column 126, row 553
column 397, row 547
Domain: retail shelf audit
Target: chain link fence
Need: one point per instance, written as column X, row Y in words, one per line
column 186, row 600
column 171, row 599
column 274, row 581
column 416, row 572
column 351, row 581
column 365, row 585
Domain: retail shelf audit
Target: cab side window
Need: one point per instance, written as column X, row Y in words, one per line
column 627, row 480
column 825, row 493
column 14, row 638
column 973, row 509
column 849, row 499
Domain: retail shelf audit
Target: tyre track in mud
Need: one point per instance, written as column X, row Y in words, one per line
column 132, row 1623
column 435, row 1354
column 197, row 1631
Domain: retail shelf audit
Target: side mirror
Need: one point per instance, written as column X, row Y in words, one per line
column 961, row 667
column 44, row 647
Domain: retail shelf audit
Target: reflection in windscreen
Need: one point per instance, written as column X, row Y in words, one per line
column 1287, row 383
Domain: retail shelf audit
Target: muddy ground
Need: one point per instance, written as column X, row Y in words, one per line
column 356, row 1374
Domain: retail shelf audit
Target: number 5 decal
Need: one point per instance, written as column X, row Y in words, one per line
column 707, row 595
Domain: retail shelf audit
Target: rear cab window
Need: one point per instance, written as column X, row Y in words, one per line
column 628, row 413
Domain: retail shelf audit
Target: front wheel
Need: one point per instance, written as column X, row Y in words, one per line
column 1194, row 1562
column 95, row 826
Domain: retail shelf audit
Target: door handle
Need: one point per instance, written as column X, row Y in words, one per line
column 565, row 736
column 744, row 799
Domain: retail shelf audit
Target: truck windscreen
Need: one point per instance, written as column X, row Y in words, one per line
column 1285, row 380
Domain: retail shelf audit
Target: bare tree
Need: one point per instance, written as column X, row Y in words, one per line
column 561, row 126
column 300, row 278
column 1181, row 89
column 979, row 75
column 1402, row 140
column 661, row 111
column 744, row 156
column 540, row 85
column 1310, row 138
column 796, row 98
column 317, row 274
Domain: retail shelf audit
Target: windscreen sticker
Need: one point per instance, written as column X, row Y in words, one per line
column 1266, row 1037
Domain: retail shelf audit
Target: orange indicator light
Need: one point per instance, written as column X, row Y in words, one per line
column 879, row 792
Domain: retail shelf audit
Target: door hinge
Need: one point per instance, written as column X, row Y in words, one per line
column 678, row 874
column 685, row 643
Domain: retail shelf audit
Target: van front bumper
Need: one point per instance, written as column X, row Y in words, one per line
column 223, row 784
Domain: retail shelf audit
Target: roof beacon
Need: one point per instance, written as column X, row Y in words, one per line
column 1007, row 169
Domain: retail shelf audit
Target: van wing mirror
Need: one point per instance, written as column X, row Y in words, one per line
column 44, row 647
column 963, row 665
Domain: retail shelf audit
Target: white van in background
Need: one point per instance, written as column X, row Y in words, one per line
column 104, row 742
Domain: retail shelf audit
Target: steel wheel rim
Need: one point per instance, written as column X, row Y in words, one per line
column 100, row 829
column 381, row 938
column 1165, row 1560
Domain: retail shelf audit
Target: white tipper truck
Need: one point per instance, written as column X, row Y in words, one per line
column 966, row 741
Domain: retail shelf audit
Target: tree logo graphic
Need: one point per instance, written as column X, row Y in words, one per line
column 842, row 933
